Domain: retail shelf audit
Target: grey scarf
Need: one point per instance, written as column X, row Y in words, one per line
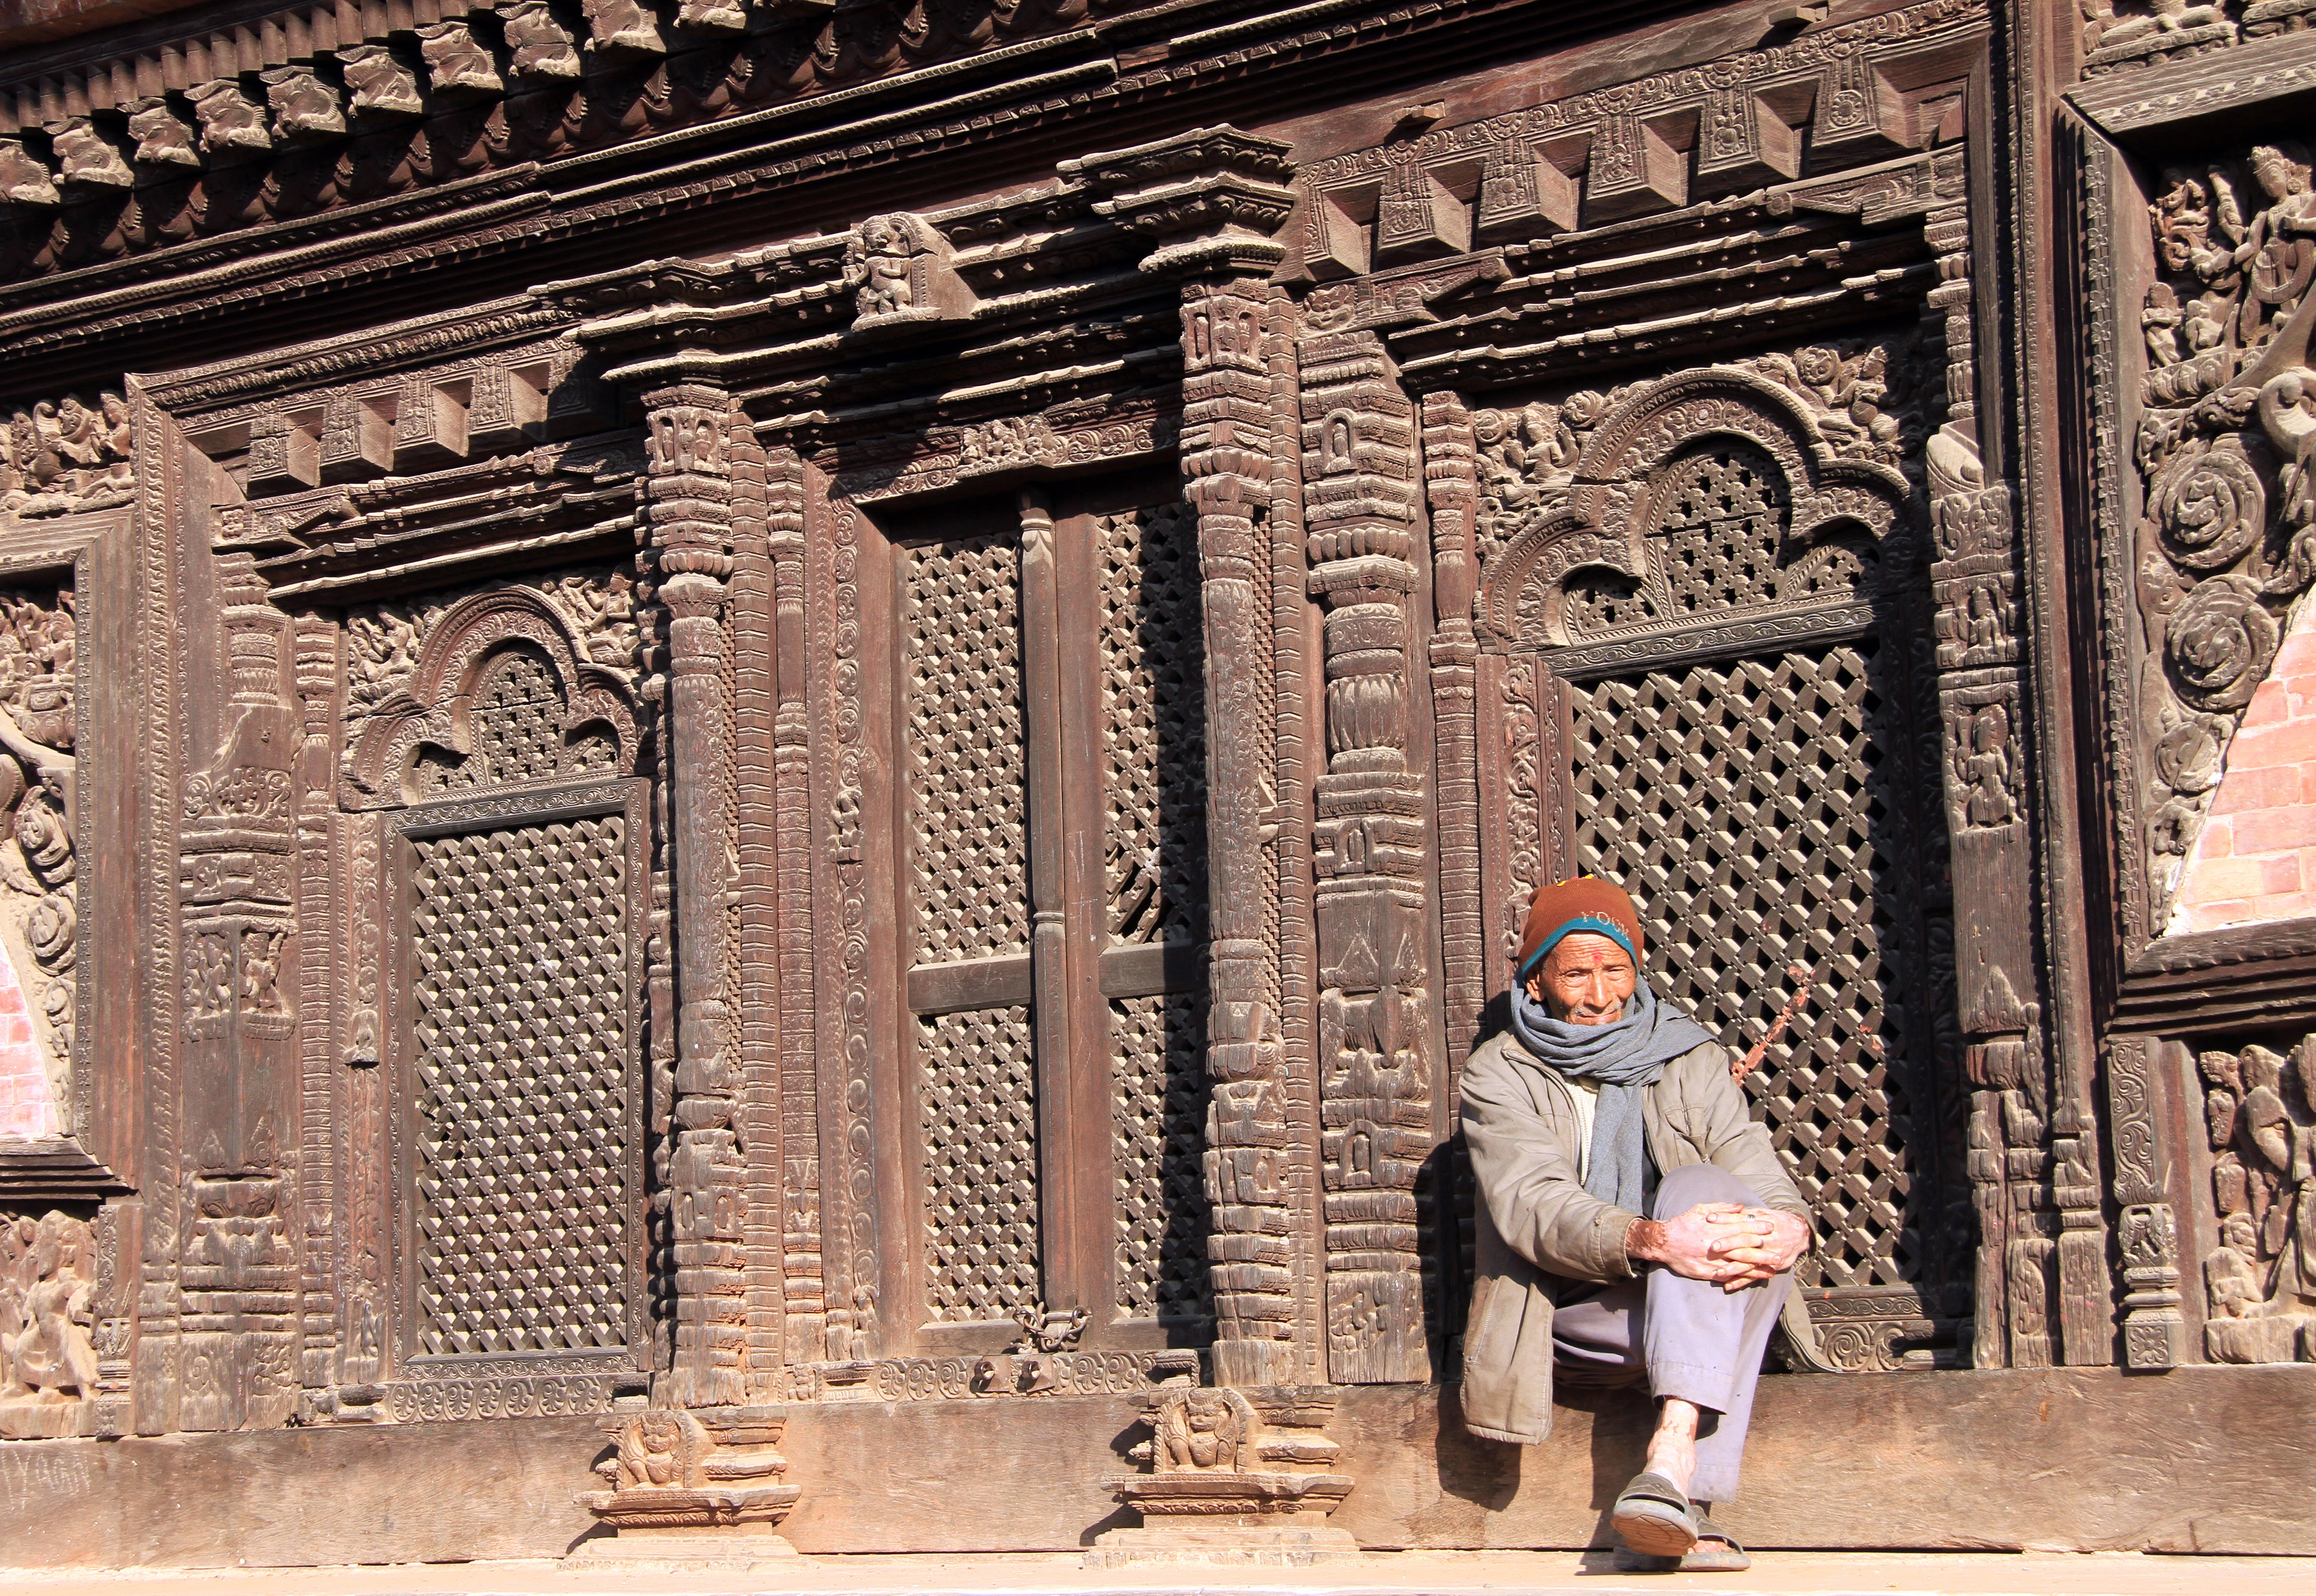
column 1622, row 1059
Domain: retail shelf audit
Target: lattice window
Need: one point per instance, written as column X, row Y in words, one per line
column 519, row 977
column 1746, row 806
column 961, row 603
column 1723, row 517
column 1718, row 541
column 1154, row 725
column 978, row 1119
column 1158, row 1122
column 1607, row 602
column 516, row 722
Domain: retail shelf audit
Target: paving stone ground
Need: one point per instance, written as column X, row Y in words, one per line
column 1404, row 1573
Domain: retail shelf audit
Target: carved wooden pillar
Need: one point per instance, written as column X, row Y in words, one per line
column 315, row 640
column 1451, row 484
column 803, row 1288
column 1249, row 1144
column 2154, row 1332
column 689, row 492
column 1212, row 199
column 241, row 1325
column 753, row 922
column 2042, row 1287
column 1376, row 1060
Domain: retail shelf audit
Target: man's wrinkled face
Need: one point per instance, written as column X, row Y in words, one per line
column 1585, row 980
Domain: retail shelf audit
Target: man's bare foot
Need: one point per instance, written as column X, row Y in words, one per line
column 1672, row 1449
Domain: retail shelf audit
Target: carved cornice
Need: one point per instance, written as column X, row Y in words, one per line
column 719, row 148
column 2160, row 97
column 1212, row 198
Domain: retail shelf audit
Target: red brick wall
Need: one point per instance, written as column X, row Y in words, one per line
column 2255, row 859
column 27, row 1107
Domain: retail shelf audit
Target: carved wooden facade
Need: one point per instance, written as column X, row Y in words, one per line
column 913, row 782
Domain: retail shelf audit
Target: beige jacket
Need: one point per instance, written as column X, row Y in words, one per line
column 1535, row 1221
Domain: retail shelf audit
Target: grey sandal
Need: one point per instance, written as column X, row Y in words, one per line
column 1716, row 1550
column 1653, row 1516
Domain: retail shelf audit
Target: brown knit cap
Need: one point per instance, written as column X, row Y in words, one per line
column 1585, row 904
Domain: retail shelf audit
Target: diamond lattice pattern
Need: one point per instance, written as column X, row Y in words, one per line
column 1154, row 725
column 515, row 719
column 1724, row 516
column 961, row 606
column 1158, row 1108
column 1740, row 802
column 519, row 986
column 979, row 1123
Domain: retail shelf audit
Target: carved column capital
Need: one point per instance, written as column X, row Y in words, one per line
column 688, row 484
column 1213, row 198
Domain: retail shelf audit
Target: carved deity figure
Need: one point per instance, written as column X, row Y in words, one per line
column 1845, row 391
column 1983, row 758
column 2260, row 1282
column 38, row 911
column 658, row 1449
column 60, row 457
column 2277, row 255
column 48, row 1275
column 1203, row 1429
column 2105, row 26
column 883, row 276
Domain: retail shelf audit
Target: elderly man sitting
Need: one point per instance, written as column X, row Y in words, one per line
column 1634, row 1221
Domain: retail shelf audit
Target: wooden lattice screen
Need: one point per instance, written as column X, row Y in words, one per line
column 1023, row 719
column 1766, row 807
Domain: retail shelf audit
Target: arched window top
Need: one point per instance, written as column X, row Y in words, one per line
column 503, row 695
column 1708, row 495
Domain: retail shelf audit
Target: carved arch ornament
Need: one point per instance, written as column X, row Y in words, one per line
column 435, row 706
column 1625, row 478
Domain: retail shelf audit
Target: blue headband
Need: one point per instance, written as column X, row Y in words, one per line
column 1596, row 924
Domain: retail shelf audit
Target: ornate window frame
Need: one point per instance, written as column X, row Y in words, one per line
column 433, row 706
column 2122, row 129
column 100, row 1140
column 1608, row 514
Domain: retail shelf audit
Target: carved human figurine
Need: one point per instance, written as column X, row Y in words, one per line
column 46, row 1353
column 884, row 285
column 1203, row 1429
column 2160, row 320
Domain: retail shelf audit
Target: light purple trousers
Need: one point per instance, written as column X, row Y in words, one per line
column 1691, row 1339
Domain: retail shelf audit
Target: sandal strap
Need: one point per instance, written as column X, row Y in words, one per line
column 1655, row 1487
column 1706, row 1529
